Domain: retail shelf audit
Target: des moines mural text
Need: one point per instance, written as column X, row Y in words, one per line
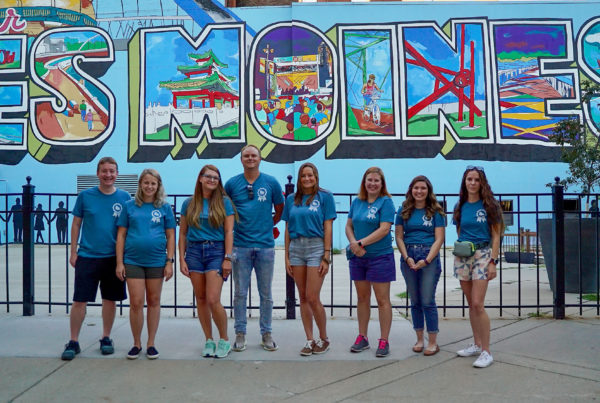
column 402, row 89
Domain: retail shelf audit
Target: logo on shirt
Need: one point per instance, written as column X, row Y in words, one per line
column 156, row 216
column 481, row 215
column 427, row 221
column 262, row 194
column 372, row 211
column 314, row 205
column 117, row 208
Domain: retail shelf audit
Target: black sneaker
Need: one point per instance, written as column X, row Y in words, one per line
column 106, row 346
column 134, row 353
column 71, row 350
column 152, row 353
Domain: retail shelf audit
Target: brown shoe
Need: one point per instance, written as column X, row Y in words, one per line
column 308, row 348
column 418, row 349
column 429, row 352
column 321, row 346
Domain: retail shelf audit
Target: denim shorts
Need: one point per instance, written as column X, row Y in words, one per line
column 474, row 267
column 205, row 256
column 379, row 269
column 306, row 251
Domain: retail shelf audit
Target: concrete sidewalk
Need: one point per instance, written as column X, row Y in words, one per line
column 535, row 360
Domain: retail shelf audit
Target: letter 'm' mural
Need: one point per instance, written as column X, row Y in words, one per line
column 205, row 82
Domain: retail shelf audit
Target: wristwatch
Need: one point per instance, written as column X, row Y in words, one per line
column 170, row 260
column 360, row 244
column 227, row 256
column 495, row 261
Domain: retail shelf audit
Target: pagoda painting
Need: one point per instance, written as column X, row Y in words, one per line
column 204, row 82
column 204, row 92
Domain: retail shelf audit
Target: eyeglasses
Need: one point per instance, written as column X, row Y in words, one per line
column 250, row 190
column 211, row 178
column 478, row 168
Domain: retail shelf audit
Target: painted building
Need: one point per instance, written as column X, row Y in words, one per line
column 415, row 88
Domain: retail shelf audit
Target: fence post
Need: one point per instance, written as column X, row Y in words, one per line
column 290, row 290
column 558, row 232
column 28, row 252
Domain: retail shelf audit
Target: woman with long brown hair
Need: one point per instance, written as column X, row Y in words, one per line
column 478, row 221
column 419, row 236
column 309, row 214
column 372, row 267
column 205, row 246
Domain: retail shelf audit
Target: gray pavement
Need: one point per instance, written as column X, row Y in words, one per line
column 535, row 360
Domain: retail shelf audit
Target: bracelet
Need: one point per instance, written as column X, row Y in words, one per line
column 427, row 262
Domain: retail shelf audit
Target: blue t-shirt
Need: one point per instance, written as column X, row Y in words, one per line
column 206, row 232
column 366, row 219
column 307, row 221
column 254, row 229
column 419, row 229
column 473, row 223
column 146, row 242
column 99, row 214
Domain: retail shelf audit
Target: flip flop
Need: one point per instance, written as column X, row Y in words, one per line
column 418, row 349
column 429, row 352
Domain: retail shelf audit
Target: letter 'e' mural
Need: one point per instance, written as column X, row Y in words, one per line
column 165, row 80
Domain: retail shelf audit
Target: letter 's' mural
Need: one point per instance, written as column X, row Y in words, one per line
column 203, row 82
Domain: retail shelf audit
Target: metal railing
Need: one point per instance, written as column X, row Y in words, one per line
column 521, row 287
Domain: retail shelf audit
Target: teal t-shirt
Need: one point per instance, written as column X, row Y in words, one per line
column 146, row 241
column 307, row 221
column 419, row 229
column 206, row 232
column 366, row 218
column 254, row 228
column 99, row 214
column 473, row 223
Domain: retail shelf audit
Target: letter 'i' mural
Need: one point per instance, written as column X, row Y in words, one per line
column 179, row 80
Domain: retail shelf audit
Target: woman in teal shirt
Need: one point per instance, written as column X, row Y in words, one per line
column 145, row 249
column 205, row 246
column 309, row 214
column 368, row 229
column 478, row 219
column 419, row 236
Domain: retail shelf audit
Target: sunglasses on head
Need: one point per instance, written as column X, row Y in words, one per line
column 477, row 168
column 250, row 190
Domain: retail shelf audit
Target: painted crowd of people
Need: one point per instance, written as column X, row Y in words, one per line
column 227, row 230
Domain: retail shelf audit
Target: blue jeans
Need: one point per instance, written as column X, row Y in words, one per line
column 263, row 261
column 421, row 285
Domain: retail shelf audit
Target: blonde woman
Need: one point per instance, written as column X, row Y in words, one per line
column 205, row 246
column 145, row 255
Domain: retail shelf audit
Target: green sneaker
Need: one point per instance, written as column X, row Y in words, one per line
column 209, row 348
column 223, row 349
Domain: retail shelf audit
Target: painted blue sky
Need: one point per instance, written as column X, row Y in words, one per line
column 10, row 95
column 167, row 50
column 437, row 52
column 12, row 45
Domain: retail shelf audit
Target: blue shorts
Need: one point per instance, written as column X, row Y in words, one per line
column 306, row 251
column 205, row 256
column 91, row 271
column 379, row 269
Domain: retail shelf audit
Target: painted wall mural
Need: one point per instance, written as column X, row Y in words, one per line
column 209, row 81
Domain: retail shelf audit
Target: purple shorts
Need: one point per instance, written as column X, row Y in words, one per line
column 379, row 269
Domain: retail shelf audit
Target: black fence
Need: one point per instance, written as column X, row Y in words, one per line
column 550, row 248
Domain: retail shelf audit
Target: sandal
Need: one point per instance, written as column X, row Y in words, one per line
column 418, row 349
column 429, row 352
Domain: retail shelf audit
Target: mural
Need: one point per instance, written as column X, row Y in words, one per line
column 202, row 82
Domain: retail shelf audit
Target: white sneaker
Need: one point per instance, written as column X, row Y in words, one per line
column 485, row 360
column 472, row 349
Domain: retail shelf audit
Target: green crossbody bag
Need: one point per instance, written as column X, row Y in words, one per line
column 464, row 249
